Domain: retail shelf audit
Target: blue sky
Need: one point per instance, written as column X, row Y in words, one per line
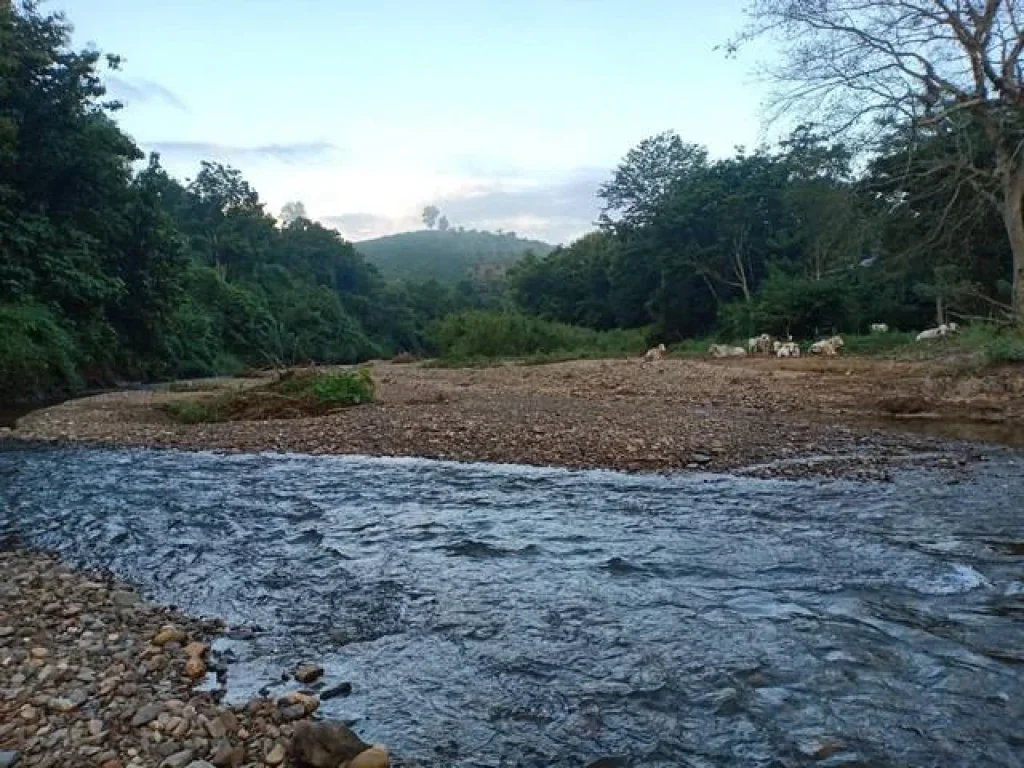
column 504, row 114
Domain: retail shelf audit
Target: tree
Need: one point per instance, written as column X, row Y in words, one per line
column 645, row 177
column 442, row 224
column 430, row 214
column 950, row 68
column 292, row 212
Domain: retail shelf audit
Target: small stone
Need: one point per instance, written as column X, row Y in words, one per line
column 309, row 703
column 228, row 756
column 28, row 712
column 95, row 727
column 216, row 728
column 62, row 705
column 6, row 632
column 169, row 634
column 325, row 745
column 292, row 712
column 341, row 689
column 275, row 756
column 146, row 714
column 195, row 667
column 199, row 764
column 39, row 653
column 308, row 673
column 195, row 649
column 8, row 758
column 178, row 759
column 229, row 720
column 701, row 458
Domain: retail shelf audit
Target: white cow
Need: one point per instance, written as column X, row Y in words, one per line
column 654, row 354
column 724, row 350
column 828, row 347
column 937, row 333
column 787, row 349
column 879, row 328
column 760, row 345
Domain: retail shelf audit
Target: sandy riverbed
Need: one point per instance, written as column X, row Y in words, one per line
column 848, row 416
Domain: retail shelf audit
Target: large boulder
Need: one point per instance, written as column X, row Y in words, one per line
column 331, row 744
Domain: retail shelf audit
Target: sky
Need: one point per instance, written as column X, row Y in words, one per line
column 506, row 115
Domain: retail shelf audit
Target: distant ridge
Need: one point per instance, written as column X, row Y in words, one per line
column 448, row 256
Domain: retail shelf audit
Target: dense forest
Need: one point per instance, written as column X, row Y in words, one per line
column 112, row 270
column 789, row 239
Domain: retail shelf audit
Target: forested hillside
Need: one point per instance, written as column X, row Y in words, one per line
column 447, row 256
column 110, row 269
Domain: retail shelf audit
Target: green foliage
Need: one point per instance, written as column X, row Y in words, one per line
column 447, row 256
column 488, row 335
column 877, row 343
column 1005, row 348
column 339, row 388
column 36, row 353
column 294, row 395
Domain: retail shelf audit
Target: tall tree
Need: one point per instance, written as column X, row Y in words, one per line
column 430, row 214
column 442, row 224
column 292, row 211
column 939, row 67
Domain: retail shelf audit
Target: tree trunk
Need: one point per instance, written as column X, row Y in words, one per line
column 940, row 309
column 1013, row 219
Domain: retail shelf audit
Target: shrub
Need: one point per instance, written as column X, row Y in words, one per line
column 488, row 335
column 37, row 356
column 294, row 395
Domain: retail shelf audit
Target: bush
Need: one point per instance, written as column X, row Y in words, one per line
column 37, row 356
column 294, row 395
column 876, row 343
column 488, row 335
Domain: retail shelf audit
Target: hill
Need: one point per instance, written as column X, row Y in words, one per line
column 447, row 256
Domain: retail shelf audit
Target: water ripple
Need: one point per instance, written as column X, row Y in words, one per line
column 498, row 615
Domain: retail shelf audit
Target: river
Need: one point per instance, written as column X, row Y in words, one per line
column 497, row 615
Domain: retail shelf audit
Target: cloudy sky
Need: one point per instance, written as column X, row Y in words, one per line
column 504, row 114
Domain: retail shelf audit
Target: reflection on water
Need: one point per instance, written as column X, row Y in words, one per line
column 494, row 616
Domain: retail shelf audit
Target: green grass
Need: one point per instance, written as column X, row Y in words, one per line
column 294, row 395
column 481, row 338
column 690, row 348
column 872, row 344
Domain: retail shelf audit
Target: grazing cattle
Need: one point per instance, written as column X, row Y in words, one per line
column 760, row 345
column 828, row 347
column 654, row 354
column 937, row 333
column 879, row 328
column 787, row 349
column 724, row 350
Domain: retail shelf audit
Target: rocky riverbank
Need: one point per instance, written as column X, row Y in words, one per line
column 91, row 675
column 849, row 417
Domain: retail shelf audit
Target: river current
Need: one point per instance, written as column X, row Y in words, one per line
column 511, row 616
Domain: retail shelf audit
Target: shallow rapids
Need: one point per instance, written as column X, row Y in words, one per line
column 497, row 615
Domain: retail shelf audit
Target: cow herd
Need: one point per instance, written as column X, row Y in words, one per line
column 766, row 345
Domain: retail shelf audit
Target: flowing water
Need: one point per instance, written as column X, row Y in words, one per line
column 496, row 615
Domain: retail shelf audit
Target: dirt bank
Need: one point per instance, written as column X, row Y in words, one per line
column 846, row 416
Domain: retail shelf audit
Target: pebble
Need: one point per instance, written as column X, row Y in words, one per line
column 95, row 689
column 309, row 673
column 146, row 714
column 178, row 759
column 276, row 755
